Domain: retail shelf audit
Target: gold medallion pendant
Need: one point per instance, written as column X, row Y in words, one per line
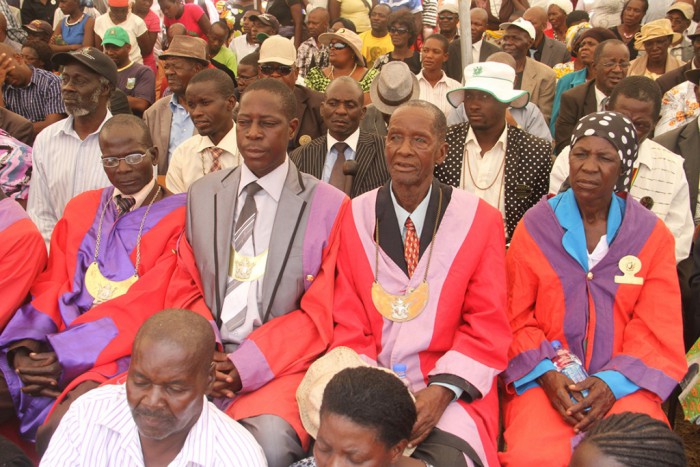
column 103, row 289
column 400, row 308
column 98, row 286
column 247, row 268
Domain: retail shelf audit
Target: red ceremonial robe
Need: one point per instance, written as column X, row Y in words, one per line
column 462, row 336
column 632, row 327
column 22, row 257
column 93, row 343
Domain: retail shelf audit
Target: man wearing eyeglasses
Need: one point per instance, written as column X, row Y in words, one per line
column 109, row 270
column 611, row 60
column 278, row 61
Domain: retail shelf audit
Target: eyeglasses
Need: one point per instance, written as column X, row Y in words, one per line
column 337, row 45
column 131, row 159
column 268, row 69
column 446, row 18
column 612, row 65
column 398, row 30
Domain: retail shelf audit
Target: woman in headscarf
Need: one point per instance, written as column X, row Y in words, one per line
column 595, row 270
column 557, row 11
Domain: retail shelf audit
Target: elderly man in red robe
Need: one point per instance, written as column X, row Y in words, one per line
column 420, row 288
column 109, row 268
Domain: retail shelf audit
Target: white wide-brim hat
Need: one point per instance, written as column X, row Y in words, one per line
column 493, row 78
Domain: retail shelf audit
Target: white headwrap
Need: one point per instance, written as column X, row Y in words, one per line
column 565, row 5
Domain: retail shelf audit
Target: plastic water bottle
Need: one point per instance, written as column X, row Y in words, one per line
column 569, row 365
column 400, row 370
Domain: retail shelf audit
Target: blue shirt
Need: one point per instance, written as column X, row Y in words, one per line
column 181, row 127
column 73, row 34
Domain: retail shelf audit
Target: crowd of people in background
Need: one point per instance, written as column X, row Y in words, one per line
column 320, row 232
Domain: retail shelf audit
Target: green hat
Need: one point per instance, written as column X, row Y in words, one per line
column 116, row 35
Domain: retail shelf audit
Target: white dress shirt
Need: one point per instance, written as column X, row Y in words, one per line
column 98, row 430
column 191, row 161
column 241, row 47
column 487, row 170
column 661, row 177
column 332, row 153
column 266, row 202
column 63, row 167
column 476, row 50
column 437, row 94
column 599, row 98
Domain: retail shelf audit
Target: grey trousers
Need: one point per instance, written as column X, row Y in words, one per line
column 277, row 438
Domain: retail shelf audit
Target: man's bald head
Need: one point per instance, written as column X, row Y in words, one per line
column 479, row 22
column 177, row 29
column 180, row 329
column 502, row 57
column 538, row 17
column 479, row 13
column 130, row 125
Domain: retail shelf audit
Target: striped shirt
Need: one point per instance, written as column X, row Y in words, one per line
column 15, row 166
column 14, row 28
column 98, row 430
column 64, row 166
column 41, row 97
column 437, row 95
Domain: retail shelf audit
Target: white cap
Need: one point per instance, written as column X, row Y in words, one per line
column 278, row 49
column 491, row 77
column 523, row 24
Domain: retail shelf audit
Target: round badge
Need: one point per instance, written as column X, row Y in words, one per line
column 304, row 139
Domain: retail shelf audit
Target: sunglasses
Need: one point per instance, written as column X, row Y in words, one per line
column 282, row 70
column 337, row 45
column 446, row 18
column 398, row 30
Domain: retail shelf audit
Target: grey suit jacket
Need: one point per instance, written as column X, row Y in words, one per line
column 577, row 102
column 453, row 66
column 371, row 165
column 685, row 141
column 159, row 119
column 554, row 52
column 211, row 207
column 541, row 82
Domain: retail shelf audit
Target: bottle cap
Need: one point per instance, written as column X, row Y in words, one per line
column 556, row 345
column 399, row 368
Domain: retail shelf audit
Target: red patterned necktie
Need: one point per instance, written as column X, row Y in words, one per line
column 411, row 247
column 215, row 155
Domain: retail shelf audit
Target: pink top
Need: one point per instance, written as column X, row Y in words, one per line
column 153, row 25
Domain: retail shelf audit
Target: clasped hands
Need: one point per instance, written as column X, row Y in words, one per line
column 39, row 371
column 582, row 413
column 227, row 380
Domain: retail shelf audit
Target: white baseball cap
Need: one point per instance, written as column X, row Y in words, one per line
column 523, row 24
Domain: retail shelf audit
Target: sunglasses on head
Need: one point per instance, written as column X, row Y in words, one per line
column 337, row 45
column 398, row 30
column 268, row 69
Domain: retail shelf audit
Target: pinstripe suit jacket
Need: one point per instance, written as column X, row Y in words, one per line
column 371, row 164
column 528, row 163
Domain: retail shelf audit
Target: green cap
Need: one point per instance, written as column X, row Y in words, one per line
column 116, row 35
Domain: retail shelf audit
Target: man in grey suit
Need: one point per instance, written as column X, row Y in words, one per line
column 481, row 49
column 545, row 50
column 328, row 157
column 263, row 235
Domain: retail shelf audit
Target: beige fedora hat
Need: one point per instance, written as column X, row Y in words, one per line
column 394, row 86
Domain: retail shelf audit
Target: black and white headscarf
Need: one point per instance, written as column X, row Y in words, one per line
column 620, row 132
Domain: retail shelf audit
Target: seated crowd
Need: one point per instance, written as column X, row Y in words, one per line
column 316, row 233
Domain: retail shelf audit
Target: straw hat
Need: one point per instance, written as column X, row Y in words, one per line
column 654, row 29
column 394, row 86
column 345, row 36
column 310, row 391
column 493, row 78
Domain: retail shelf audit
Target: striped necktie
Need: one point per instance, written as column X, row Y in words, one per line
column 235, row 316
column 124, row 204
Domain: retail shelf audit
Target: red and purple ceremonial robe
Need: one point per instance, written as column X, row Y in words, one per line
column 462, row 336
column 22, row 257
column 617, row 322
column 95, row 339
